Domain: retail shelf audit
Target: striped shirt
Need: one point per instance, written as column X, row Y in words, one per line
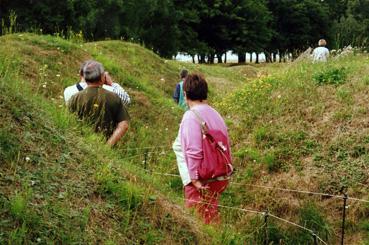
column 115, row 88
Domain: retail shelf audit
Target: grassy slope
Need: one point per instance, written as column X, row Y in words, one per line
column 291, row 132
column 286, row 131
column 59, row 183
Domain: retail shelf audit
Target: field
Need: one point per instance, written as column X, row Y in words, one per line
column 297, row 126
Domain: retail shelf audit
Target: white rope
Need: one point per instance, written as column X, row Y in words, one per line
column 291, row 190
column 297, row 225
column 227, row 207
column 261, row 213
column 285, row 189
column 148, row 147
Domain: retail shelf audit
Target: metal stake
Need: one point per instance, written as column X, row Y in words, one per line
column 315, row 238
column 266, row 215
column 343, row 217
column 145, row 159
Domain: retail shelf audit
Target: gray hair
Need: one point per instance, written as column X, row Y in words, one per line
column 92, row 71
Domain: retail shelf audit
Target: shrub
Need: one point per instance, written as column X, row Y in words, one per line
column 333, row 76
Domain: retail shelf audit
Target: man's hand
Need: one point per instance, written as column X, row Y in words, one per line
column 108, row 80
column 199, row 186
column 118, row 133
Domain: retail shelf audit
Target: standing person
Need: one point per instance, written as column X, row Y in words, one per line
column 321, row 53
column 99, row 107
column 201, row 192
column 109, row 85
column 178, row 95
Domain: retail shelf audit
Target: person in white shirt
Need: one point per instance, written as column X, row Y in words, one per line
column 321, row 53
column 109, row 85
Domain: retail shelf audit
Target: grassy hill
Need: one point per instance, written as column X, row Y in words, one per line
column 299, row 126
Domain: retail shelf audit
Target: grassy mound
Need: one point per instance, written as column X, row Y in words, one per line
column 299, row 126
column 304, row 126
column 59, row 183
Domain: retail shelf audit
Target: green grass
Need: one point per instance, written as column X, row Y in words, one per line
column 59, row 183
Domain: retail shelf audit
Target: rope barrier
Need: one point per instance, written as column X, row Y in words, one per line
column 282, row 189
column 148, row 147
column 260, row 213
column 266, row 214
column 291, row 190
column 297, row 225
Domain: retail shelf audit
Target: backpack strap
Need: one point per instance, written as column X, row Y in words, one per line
column 79, row 87
column 204, row 127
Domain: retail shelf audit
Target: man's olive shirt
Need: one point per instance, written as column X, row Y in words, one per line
column 100, row 108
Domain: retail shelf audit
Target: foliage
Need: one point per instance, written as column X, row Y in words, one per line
column 204, row 28
column 335, row 76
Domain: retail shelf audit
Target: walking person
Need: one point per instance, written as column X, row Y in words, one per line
column 178, row 95
column 102, row 109
column 321, row 53
column 203, row 178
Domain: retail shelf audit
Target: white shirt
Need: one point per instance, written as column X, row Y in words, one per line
column 181, row 162
column 320, row 54
column 115, row 88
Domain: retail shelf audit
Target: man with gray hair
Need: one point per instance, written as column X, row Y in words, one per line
column 109, row 85
column 103, row 109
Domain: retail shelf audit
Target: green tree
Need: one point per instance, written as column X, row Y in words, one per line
column 250, row 30
column 298, row 24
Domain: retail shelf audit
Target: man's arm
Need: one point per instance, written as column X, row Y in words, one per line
column 118, row 133
column 121, row 93
column 117, row 89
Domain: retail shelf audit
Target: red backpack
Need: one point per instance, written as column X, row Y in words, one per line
column 217, row 157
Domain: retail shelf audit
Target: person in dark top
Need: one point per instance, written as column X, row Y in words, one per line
column 178, row 95
column 103, row 109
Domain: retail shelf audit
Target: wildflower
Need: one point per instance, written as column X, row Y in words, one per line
column 279, row 96
column 58, row 75
column 44, row 86
column 96, row 105
column 162, row 79
column 28, row 159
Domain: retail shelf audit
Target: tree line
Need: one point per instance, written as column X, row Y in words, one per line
column 206, row 29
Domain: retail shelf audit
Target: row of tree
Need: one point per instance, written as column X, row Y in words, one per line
column 207, row 28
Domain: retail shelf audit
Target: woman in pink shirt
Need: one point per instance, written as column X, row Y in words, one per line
column 203, row 194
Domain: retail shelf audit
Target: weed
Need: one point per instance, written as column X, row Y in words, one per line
column 262, row 134
column 18, row 235
column 249, row 154
column 271, row 162
column 311, row 217
column 9, row 145
column 344, row 95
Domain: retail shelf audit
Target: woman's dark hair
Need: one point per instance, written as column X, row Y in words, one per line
column 196, row 87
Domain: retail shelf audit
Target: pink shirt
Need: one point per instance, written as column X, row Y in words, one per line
column 191, row 137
